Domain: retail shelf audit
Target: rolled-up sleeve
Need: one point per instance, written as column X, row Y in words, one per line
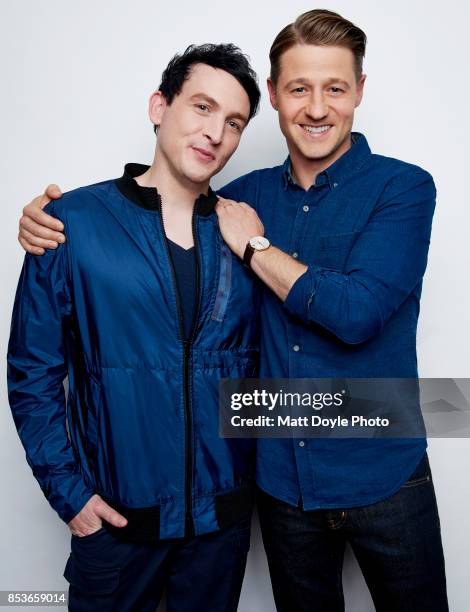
column 386, row 263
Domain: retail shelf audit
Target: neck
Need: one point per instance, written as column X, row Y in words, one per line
column 175, row 191
column 305, row 171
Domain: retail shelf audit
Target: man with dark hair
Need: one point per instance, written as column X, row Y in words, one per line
column 223, row 57
column 137, row 308
column 350, row 233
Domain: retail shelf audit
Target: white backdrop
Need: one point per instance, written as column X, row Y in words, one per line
column 76, row 77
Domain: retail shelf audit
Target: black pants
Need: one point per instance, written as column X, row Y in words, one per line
column 397, row 543
column 200, row 574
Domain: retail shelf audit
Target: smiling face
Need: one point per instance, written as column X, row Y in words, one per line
column 316, row 95
column 200, row 130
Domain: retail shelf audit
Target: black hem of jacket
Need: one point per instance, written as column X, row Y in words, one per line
column 143, row 524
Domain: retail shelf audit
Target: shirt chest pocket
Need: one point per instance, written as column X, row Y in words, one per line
column 333, row 250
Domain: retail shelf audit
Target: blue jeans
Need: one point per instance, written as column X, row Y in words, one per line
column 397, row 543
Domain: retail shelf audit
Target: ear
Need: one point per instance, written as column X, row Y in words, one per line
column 272, row 93
column 360, row 90
column 157, row 106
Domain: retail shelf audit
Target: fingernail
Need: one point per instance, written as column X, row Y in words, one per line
column 61, row 239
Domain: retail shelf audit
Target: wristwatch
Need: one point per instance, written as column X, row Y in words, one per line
column 257, row 243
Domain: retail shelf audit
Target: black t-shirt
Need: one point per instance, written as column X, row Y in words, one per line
column 184, row 262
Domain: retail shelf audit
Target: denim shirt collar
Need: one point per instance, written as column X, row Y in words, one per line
column 348, row 164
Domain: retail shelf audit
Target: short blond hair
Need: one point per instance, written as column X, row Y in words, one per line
column 319, row 27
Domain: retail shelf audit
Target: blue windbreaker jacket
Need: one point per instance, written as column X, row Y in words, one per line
column 140, row 426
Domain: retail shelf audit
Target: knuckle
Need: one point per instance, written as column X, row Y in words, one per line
column 34, row 240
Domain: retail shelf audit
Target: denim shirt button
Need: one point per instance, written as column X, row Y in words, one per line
column 306, row 208
column 301, row 443
column 295, row 254
column 296, row 348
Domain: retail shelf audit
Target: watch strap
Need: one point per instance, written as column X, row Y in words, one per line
column 247, row 255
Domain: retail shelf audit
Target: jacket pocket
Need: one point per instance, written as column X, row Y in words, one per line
column 93, row 410
column 225, row 283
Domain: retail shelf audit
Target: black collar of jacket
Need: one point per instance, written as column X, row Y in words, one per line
column 150, row 199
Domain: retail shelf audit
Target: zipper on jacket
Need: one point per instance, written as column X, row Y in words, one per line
column 188, row 421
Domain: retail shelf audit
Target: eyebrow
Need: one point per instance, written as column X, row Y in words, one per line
column 306, row 81
column 215, row 104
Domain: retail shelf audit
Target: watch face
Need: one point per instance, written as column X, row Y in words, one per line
column 259, row 243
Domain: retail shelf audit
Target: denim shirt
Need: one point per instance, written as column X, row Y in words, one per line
column 363, row 229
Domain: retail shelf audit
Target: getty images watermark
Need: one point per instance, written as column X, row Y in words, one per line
column 345, row 408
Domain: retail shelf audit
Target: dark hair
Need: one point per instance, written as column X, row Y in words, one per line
column 319, row 27
column 227, row 57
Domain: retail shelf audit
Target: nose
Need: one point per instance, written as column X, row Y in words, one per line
column 214, row 130
column 317, row 108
